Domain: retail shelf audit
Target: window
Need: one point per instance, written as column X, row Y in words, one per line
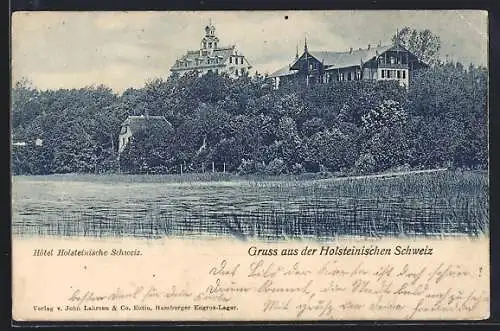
column 349, row 76
column 242, row 60
column 210, row 45
column 404, row 74
column 393, row 60
column 358, row 75
column 383, row 73
column 215, row 45
column 399, row 74
column 230, row 59
column 341, row 77
column 236, row 72
column 310, row 67
column 204, row 44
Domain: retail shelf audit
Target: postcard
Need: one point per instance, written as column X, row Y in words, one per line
column 250, row 166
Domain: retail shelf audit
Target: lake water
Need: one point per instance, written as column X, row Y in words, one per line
column 50, row 206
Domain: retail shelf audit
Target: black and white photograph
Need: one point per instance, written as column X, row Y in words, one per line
column 268, row 127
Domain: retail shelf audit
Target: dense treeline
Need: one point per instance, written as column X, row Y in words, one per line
column 247, row 127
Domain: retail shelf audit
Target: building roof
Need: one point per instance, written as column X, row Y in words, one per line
column 336, row 60
column 141, row 123
column 191, row 58
column 285, row 71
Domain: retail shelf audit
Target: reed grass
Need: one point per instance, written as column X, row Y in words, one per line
column 437, row 204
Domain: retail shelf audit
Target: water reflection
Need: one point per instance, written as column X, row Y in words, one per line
column 265, row 211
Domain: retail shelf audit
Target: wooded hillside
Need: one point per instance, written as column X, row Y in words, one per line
column 353, row 127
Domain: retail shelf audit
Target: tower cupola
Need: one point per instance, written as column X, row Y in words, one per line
column 210, row 41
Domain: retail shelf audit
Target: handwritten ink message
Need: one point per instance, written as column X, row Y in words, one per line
column 264, row 282
column 314, row 291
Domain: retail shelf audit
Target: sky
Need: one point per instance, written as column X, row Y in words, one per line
column 125, row 49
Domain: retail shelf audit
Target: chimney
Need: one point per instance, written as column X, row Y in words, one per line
column 350, row 50
column 369, row 46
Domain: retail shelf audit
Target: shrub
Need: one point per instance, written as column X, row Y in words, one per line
column 365, row 164
column 276, row 167
column 298, row 169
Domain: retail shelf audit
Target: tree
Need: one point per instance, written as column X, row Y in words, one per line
column 25, row 106
column 244, row 124
column 384, row 129
column 149, row 150
column 424, row 44
column 451, row 102
column 333, row 148
column 388, row 114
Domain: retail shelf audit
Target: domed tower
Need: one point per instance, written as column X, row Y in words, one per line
column 210, row 41
column 212, row 57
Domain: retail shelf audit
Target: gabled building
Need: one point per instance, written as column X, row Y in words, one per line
column 212, row 57
column 392, row 62
column 135, row 124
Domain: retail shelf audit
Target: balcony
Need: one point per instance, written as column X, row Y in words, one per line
column 392, row 66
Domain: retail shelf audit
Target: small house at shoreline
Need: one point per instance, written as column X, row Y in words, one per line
column 135, row 124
